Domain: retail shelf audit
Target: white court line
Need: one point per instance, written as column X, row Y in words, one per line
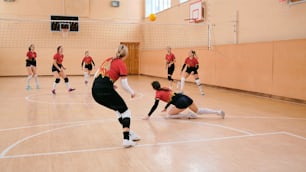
column 220, row 126
column 55, row 124
column 30, row 99
column 265, row 117
column 138, row 145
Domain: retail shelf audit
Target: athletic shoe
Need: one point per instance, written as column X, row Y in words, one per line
column 53, row 91
column 37, row 87
column 28, row 87
column 128, row 143
column 191, row 115
column 86, row 82
column 202, row 92
column 134, row 136
column 222, row 114
column 71, row 89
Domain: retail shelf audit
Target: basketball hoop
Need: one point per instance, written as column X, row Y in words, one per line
column 65, row 32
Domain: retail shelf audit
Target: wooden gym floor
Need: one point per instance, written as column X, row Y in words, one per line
column 69, row 132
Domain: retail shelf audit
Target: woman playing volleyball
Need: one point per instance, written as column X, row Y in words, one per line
column 58, row 70
column 31, row 67
column 104, row 93
column 181, row 102
column 192, row 68
column 170, row 60
column 87, row 65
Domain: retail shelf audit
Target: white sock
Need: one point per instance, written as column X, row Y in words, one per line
column 178, row 116
column 208, row 111
column 86, row 76
column 182, row 84
column 36, row 79
column 67, row 84
column 54, row 85
column 29, row 79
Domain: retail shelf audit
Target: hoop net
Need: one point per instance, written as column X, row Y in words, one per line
column 64, row 32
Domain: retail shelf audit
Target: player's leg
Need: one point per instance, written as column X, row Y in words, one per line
column 201, row 111
column 170, row 73
column 198, row 82
column 66, row 79
column 30, row 75
column 86, row 76
column 56, row 81
column 183, row 78
column 34, row 70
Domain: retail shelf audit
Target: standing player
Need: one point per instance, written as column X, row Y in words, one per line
column 192, row 68
column 31, row 66
column 170, row 60
column 58, row 70
column 180, row 101
column 87, row 64
column 104, row 93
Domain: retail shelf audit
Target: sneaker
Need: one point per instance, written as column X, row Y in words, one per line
column 191, row 115
column 86, row 82
column 71, row 89
column 28, row 87
column 53, row 91
column 202, row 92
column 37, row 87
column 134, row 136
column 128, row 143
column 222, row 114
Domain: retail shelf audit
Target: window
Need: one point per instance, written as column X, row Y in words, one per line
column 155, row 6
column 182, row 1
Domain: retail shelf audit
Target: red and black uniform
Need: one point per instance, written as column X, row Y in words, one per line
column 103, row 87
column 192, row 65
column 179, row 100
column 59, row 60
column 31, row 58
column 88, row 62
column 170, row 58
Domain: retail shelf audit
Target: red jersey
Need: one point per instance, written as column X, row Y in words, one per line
column 31, row 55
column 170, row 58
column 59, row 58
column 191, row 62
column 87, row 60
column 164, row 95
column 113, row 68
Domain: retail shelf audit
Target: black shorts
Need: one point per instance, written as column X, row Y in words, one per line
column 31, row 62
column 192, row 69
column 88, row 66
column 181, row 101
column 171, row 69
column 55, row 69
column 104, row 93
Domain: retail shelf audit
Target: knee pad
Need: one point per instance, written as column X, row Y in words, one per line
column 126, row 122
column 66, row 79
column 198, row 82
column 169, row 78
column 57, row 80
column 126, row 114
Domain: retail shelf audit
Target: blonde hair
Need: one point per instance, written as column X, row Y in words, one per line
column 122, row 51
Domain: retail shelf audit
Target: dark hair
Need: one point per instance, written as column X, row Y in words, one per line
column 156, row 86
column 193, row 52
column 30, row 47
column 59, row 47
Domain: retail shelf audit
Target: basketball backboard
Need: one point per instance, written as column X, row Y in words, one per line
column 196, row 12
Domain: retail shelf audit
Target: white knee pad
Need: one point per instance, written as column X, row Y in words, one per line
column 118, row 114
column 126, row 114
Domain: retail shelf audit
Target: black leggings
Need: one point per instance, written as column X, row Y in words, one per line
column 104, row 93
column 171, row 69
